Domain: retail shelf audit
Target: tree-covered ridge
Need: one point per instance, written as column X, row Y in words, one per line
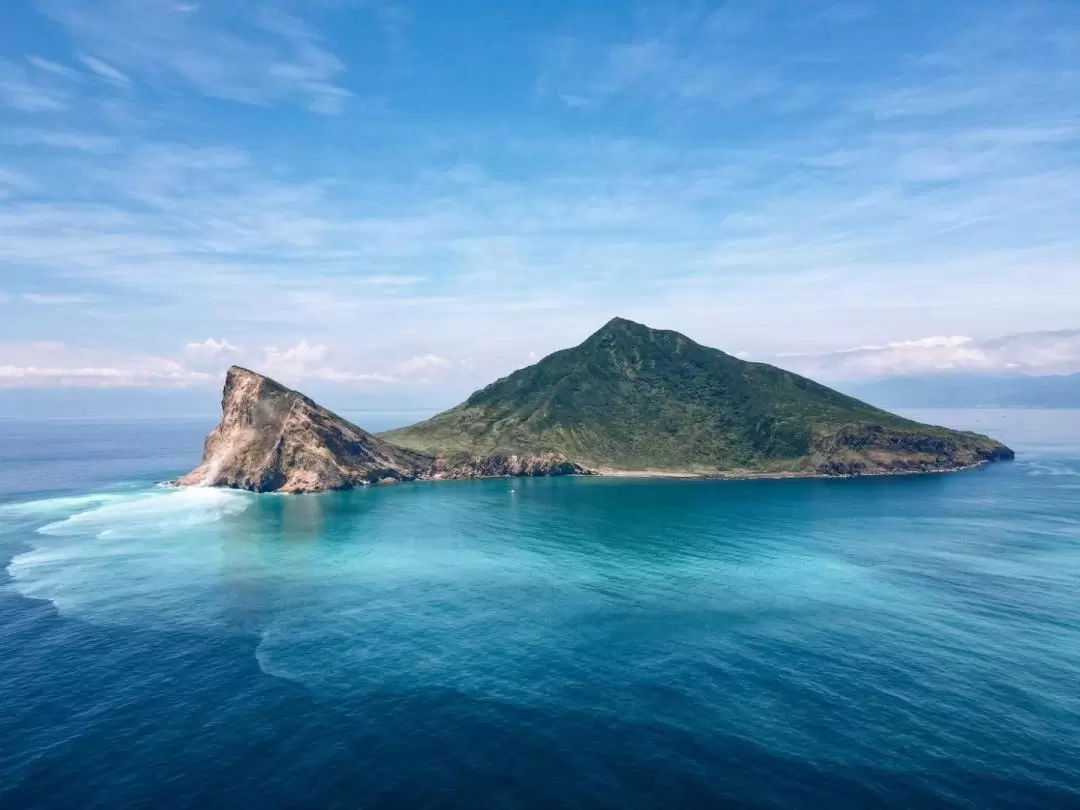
column 631, row 397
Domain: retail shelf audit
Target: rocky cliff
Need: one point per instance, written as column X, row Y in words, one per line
column 497, row 466
column 274, row 439
column 872, row 450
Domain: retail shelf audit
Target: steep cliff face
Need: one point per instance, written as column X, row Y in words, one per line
column 274, row 439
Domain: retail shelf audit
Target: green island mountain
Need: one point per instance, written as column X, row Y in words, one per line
column 628, row 401
column 631, row 399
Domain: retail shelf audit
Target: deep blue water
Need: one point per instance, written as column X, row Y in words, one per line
column 904, row 642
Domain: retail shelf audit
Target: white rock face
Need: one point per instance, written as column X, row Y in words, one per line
column 274, row 439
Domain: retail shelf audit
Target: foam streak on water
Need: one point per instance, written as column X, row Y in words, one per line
column 903, row 641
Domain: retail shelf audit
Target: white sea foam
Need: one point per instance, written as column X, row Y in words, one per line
column 51, row 507
column 149, row 513
column 1051, row 467
column 152, row 557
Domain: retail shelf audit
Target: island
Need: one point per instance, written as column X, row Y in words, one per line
column 629, row 400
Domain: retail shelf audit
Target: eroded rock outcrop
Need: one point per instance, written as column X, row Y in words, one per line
column 875, row 451
column 274, row 439
column 495, row 466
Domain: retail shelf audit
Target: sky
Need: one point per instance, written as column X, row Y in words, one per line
column 397, row 202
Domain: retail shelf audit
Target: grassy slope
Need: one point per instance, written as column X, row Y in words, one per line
column 631, row 397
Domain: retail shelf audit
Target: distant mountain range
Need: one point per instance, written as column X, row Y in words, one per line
column 972, row 391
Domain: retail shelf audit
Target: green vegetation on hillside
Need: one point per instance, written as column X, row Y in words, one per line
column 633, row 398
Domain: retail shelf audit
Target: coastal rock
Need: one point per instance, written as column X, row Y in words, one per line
column 274, row 439
column 872, row 450
column 495, row 466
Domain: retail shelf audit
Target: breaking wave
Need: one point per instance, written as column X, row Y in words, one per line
column 146, row 557
column 159, row 512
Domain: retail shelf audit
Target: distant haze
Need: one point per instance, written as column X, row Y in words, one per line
column 972, row 391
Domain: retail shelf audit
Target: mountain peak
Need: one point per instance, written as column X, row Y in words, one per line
column 243, row 384
column 618, row 324
column 621, row 340
column 240, row 371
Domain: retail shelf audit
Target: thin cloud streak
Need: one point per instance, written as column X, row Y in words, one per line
column 259, row 58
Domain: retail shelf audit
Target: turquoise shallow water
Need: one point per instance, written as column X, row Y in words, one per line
column 538, row 643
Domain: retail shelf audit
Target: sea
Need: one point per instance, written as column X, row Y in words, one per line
column 552, row 643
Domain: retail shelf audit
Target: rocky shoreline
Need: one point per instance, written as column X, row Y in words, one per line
column 463, row 474
column 733, row 475
column 505, row 466
column 751, row 475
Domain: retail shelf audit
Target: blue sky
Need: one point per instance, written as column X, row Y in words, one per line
column 405, row 200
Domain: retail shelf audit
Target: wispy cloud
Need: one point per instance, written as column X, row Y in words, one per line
column 48, row 364
column 200, row 363
column 683, row 53
column 1029, row 353
column 51, row 67
column 55, row 299
column 60, row 139
column 105, row 71
column 22, row 90
column 12, row 180
column 211, row 351
column 305, row 362
column 256, row 54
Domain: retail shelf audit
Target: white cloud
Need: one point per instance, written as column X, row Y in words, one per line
column 56, row 299
column 305, row 362
column 256, row 54
column 106, row 71
column 1030, row 353
column 27, row 93
column 423, row 364
column 392, row 281
column 61, row 139
column 211, row 350
column 54, row 68
column 47, row 364
column 680, row 53
column 299, row 356
column 15, row 180
column 44, row 364
column 34, row 376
